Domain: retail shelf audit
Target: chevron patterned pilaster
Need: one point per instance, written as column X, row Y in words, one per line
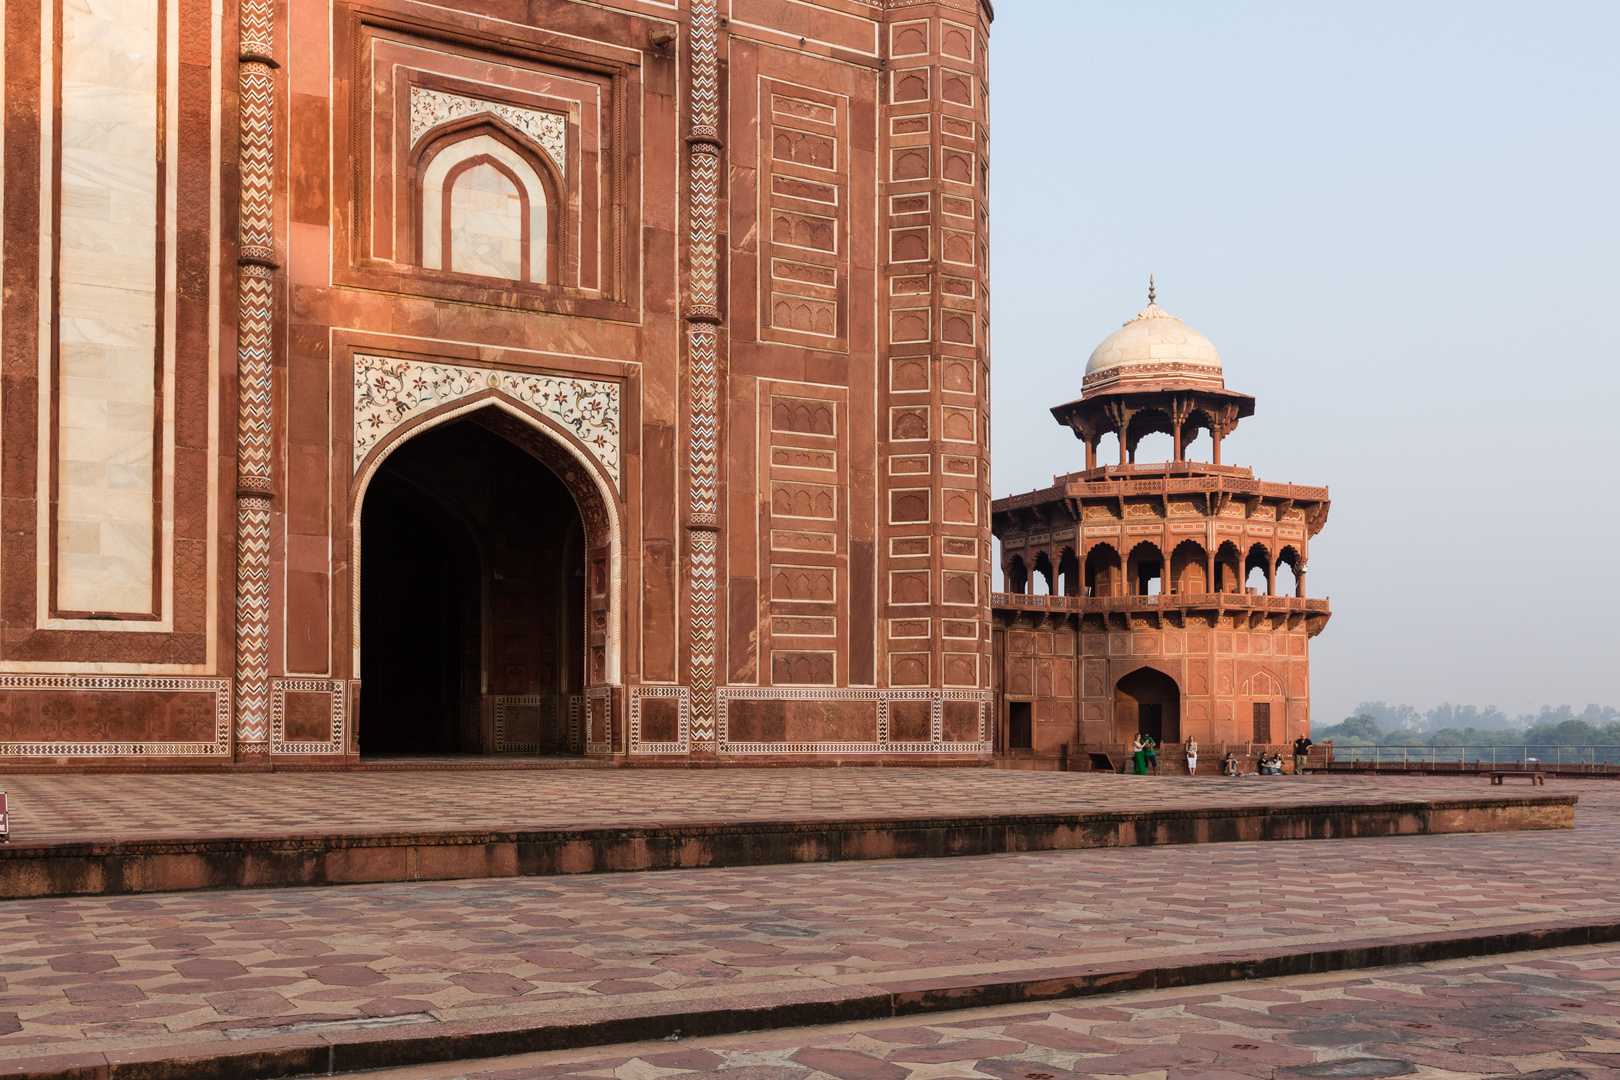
column 254, row 491
column 703, row 373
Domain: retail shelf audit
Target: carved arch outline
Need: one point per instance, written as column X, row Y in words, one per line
column 553, row 188
column 552, row 446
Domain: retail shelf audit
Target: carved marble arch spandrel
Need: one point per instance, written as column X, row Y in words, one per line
column 439, row 159
column 591, row 489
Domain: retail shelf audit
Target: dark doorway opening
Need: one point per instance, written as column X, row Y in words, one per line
column 1020, row 726
column 1150, row 720
column 1147, row 702
column 472, row 603
column 1262, row 721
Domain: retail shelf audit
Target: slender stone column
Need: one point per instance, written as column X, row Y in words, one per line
column 703, row 356
column 257, row 266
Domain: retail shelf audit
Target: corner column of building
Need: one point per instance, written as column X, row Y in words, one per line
column 935, row 560
column 255, row 491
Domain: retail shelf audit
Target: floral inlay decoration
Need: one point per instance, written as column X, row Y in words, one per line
column 389, row 391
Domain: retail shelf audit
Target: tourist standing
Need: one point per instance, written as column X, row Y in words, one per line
column 1302, row 749
column 1192, row 755
column 1139, row 755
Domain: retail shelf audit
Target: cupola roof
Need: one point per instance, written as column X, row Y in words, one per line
column 1153, row 350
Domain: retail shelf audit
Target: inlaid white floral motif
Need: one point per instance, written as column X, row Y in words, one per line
column 388, row 392
column 430, row 108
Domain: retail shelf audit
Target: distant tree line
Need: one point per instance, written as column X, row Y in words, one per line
column 1378, row 724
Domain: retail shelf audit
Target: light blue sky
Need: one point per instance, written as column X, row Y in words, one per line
column 1398, row 224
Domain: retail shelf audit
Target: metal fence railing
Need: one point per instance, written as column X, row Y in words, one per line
column 1577, row 759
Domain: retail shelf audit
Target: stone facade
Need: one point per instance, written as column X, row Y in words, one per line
column 1161, row 611
column 604, row 378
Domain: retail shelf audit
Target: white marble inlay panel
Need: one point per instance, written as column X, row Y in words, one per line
column 479, row 217
column 388, row 392
column 486, row 224
column 107, row 305
column 430, row 108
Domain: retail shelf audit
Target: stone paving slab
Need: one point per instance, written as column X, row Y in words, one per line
column 79, row 808
column 1551, row 1015
column 226, row 970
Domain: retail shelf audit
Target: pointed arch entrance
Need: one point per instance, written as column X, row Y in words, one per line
column 1147, row 701
column 485, row 564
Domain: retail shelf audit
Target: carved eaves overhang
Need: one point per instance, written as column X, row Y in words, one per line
column 1163, row 407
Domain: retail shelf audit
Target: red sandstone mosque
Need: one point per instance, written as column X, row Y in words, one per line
column 603, row 379
column 1161, row 613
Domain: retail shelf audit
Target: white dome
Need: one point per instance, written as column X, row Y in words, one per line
column 1154, row 347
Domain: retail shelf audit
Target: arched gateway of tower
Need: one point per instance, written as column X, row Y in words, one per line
column 472, row 599
column 485, row 541
column 1142, row 597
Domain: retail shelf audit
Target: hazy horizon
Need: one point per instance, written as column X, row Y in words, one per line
column 1393, row 221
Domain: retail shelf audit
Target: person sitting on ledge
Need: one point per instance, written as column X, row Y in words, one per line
column 1229, row 764
column 1271, row 765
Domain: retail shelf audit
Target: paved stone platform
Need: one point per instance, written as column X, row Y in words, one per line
column 64, row 808
column 277, row 982
column 107, row 835
column 1550, row 1015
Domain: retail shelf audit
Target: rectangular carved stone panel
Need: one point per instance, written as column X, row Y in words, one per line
column 908, row 669
column 307, row 716
column 799, row 668
column 805, row 416
column 103, row 717
column 961, row 721
column 660, row 719
column 815, row 584
column 801, row 721
column 791, row 499
column 962, row 669
column 910, row 721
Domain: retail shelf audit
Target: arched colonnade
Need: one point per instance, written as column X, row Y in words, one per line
column 1142, row 570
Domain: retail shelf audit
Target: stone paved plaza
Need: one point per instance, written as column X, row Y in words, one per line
column 214, row 968
column 58, row 808
column 1549, row 1015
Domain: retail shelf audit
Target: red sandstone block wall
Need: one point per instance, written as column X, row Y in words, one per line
column 855, row 464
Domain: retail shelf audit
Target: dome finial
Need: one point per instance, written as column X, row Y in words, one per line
column 1150, row 288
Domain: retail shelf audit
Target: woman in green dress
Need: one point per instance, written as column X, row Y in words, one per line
column 1139, row 755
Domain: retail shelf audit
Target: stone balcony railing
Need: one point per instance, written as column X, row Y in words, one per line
column 1100, row 605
